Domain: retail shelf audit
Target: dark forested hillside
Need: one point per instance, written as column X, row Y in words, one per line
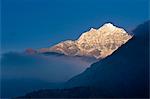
column 126, row 72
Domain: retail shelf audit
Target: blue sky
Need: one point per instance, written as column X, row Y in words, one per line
column 43, row 23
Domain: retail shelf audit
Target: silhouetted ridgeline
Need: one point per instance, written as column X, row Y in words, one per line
column 76, row 92
column 124, row 74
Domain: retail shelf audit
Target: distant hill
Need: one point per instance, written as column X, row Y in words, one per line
column 124, row 74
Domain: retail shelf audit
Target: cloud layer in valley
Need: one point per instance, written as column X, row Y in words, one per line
column 51, row 68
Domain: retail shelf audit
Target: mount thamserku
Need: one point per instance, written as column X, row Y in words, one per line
column 97, row 43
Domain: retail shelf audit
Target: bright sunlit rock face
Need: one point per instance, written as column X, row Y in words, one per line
column 97, row 43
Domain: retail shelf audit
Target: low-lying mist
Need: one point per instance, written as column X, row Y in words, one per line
column 50, row 68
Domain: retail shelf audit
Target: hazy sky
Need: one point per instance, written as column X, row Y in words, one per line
column 42, row 23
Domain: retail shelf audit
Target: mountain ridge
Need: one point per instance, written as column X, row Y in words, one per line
column 124, row 74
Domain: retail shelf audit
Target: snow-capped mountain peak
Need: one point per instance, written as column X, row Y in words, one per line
column 108, row 25
column 97, row 43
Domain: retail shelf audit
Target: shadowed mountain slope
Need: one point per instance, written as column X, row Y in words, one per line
column 123, row 74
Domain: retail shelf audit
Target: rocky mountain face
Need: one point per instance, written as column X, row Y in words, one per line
column 97, row 43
